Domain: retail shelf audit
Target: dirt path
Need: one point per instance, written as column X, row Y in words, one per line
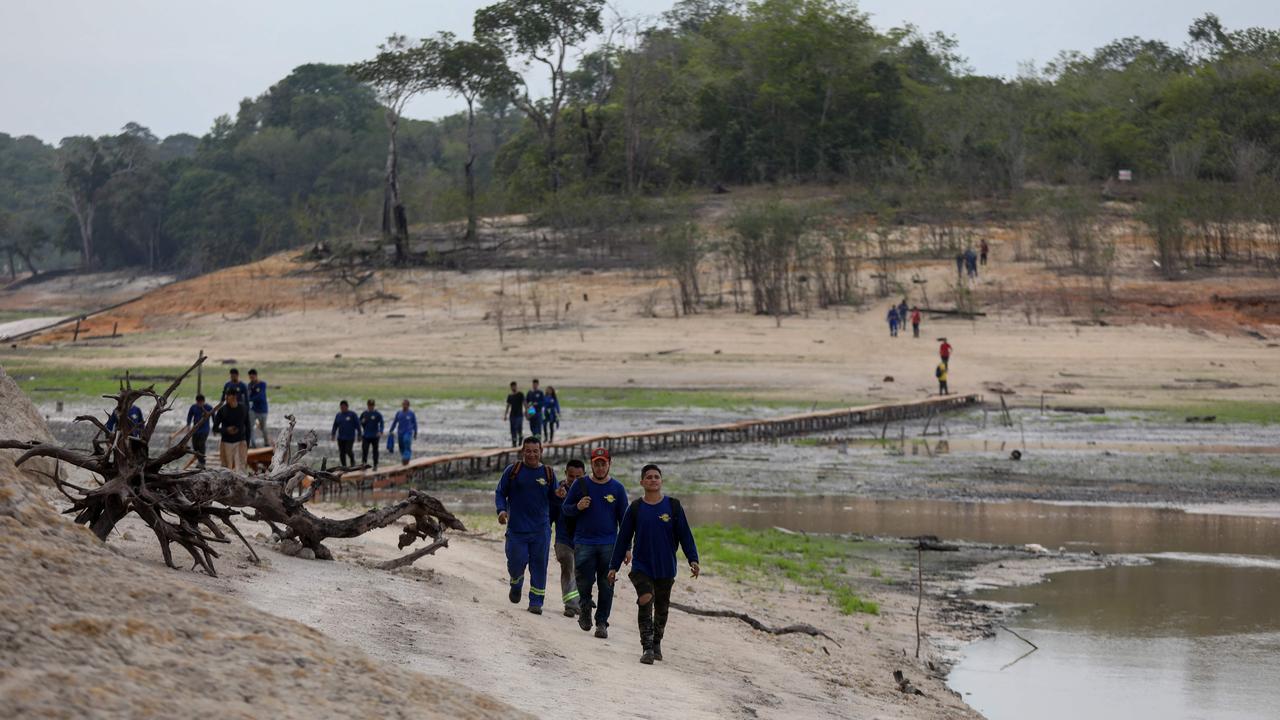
column 450, row 617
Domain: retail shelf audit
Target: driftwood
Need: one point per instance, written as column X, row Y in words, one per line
column 191, row 508
column 804, row 628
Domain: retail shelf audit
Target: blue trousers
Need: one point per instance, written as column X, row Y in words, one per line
column 406, row 446
column 517, row 430
column 591, row 565
column 529, row 550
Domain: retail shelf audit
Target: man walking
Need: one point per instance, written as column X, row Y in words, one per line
column 944, row 352
column 404, row 428
column 135, row 421
column 941, row 374
column 971, row 263
column 525, row 494
column 199, row 416
column 345, row 426
column 514, row 414
column 258, row 408
column 983, row 249
column 893, row 320
column 232, row 425
column 370, row 434
column 564, row 525
column 915, row 322
column 533, row 401
column 598, row 505
column 234, row 386
column 658, row 525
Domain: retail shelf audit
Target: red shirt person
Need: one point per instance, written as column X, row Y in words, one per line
column 945, row 352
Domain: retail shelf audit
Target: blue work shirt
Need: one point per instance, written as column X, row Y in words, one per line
column 240, row 389
column 652, row 533
column 258, row 397
column 345, row 425
column 195, row 415
column 527, row 499
column 371, row 423
column 405, row 422
column 598, row 524
column 135, row 417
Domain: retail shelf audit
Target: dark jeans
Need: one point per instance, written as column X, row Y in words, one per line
column 346, row 452
column 653, row 614
column 915, row 328
column 942, row 387
column 591, row 567
column 365, row 445
column 200, row 443
column 517, row 430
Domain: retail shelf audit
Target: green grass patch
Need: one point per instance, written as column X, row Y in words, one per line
column 1226, row 411
column 813, row 562
column 357, row 379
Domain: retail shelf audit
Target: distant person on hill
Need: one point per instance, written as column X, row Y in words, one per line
column 234, row 386
column 371, row 427
column 135, row 421
column 893, row 319
column 983, row 249
column 232, row 425
column 514, row 414
column 404, row 428
column 550, row 414
column 565, row 525
column 944, row 352
column 915, row 322
column 652, row 528
column 597, row 504
column 525, row 494
column 959, row 266
column 200, row 417
column 258, row 408
column 345, row 426
column 941, row 373
column 971, row 263
column 902, row 314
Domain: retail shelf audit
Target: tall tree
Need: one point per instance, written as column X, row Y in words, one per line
column 541, row 31
column 88, row 165
column 398, row 73
column 472, row 71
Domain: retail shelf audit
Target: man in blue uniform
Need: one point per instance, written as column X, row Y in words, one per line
column 597, row 505
column 345, row 426
column 135, row 421
column 564, row 526
column 526, row 492
column 514, row 413
column 258, row 408
column 657, row 524
column 200, row 417
column 533, row 401
column 404, row 429
column 370, row 433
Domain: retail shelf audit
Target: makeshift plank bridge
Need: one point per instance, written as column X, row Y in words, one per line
column 493, row 460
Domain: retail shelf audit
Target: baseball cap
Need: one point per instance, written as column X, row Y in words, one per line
column 599, row 454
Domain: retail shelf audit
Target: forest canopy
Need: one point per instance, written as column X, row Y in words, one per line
column 715, row 92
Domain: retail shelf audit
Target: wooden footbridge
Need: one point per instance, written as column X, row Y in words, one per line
column 493, row 460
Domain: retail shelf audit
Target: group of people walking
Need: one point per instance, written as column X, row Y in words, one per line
column 967, row 261
column 370, row 428
column 541, row 409
column 899, row 315
column 596, row 532
column 242, row 408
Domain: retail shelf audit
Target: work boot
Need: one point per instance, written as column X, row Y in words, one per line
column 535, row 609
column 657, row 642
column 570, row 611
column 584, row 617
column 514, row 595
column 602, row 630
column 644, row 618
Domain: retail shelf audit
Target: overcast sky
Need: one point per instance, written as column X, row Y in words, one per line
column 89, row 66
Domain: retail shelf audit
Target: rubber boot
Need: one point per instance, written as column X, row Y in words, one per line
column 645, row 617
column 659, row 627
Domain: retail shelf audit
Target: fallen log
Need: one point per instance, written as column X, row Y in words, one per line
column 803, row 628
column 1082, row 409
column 187, row 507
column 960, row 313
